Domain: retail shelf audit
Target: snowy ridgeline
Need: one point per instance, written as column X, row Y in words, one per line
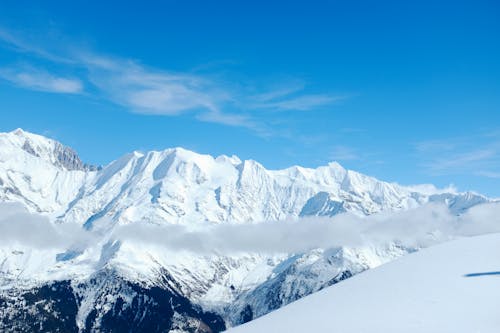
column 452, row 287
column 223, row 240
column 182, row 187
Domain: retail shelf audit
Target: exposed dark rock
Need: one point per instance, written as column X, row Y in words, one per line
column 70, row 160
column 64, row 157
column 246, row 314
column 50, row 308
column 29, row 149
column 113, row 305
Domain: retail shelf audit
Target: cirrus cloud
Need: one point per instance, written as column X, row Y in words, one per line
column 155, row 91
column 41, row 80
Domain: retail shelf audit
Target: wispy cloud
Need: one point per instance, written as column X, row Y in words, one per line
column 29, row 45
column 461, row 160
column 489, row 174
column 152, row 91
column 233, row 120
column 41, row 80
column 473, row 155
column 142, row 89
column 278, row 91
column 352, row 130
column 433, row 145
column 299, row 103
column 344, row 153
column 149, row 91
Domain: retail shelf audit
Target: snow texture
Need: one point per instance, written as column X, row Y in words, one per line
column 452, row 287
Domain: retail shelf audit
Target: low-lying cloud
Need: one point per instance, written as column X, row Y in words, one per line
column 20, row 227
column 420, row 227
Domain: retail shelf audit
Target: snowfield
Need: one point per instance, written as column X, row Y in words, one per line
column 452, row 287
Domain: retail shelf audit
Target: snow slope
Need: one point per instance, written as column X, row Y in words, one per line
column 452, row 287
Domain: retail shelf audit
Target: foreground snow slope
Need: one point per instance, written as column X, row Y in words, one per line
column 452, row 287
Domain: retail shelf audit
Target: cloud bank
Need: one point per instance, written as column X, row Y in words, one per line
column 420, row 227
column 18, row 227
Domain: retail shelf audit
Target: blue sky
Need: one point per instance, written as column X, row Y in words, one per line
column 404, row 91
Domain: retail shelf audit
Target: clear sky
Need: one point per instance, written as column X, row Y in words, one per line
column 407, row 91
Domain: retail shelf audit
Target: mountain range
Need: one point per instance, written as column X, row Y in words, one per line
column 86, row 277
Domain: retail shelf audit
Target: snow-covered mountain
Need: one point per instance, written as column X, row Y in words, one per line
column 176, row 187
column 452, row 287
column 179, row 186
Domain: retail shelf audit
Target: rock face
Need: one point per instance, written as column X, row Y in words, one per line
column 109, row 285
column 60, row 155
column 68, row 159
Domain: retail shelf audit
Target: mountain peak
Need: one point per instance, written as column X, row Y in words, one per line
column 18, row 131
column 335, row 165
column 47, row 149
column 234, row 160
